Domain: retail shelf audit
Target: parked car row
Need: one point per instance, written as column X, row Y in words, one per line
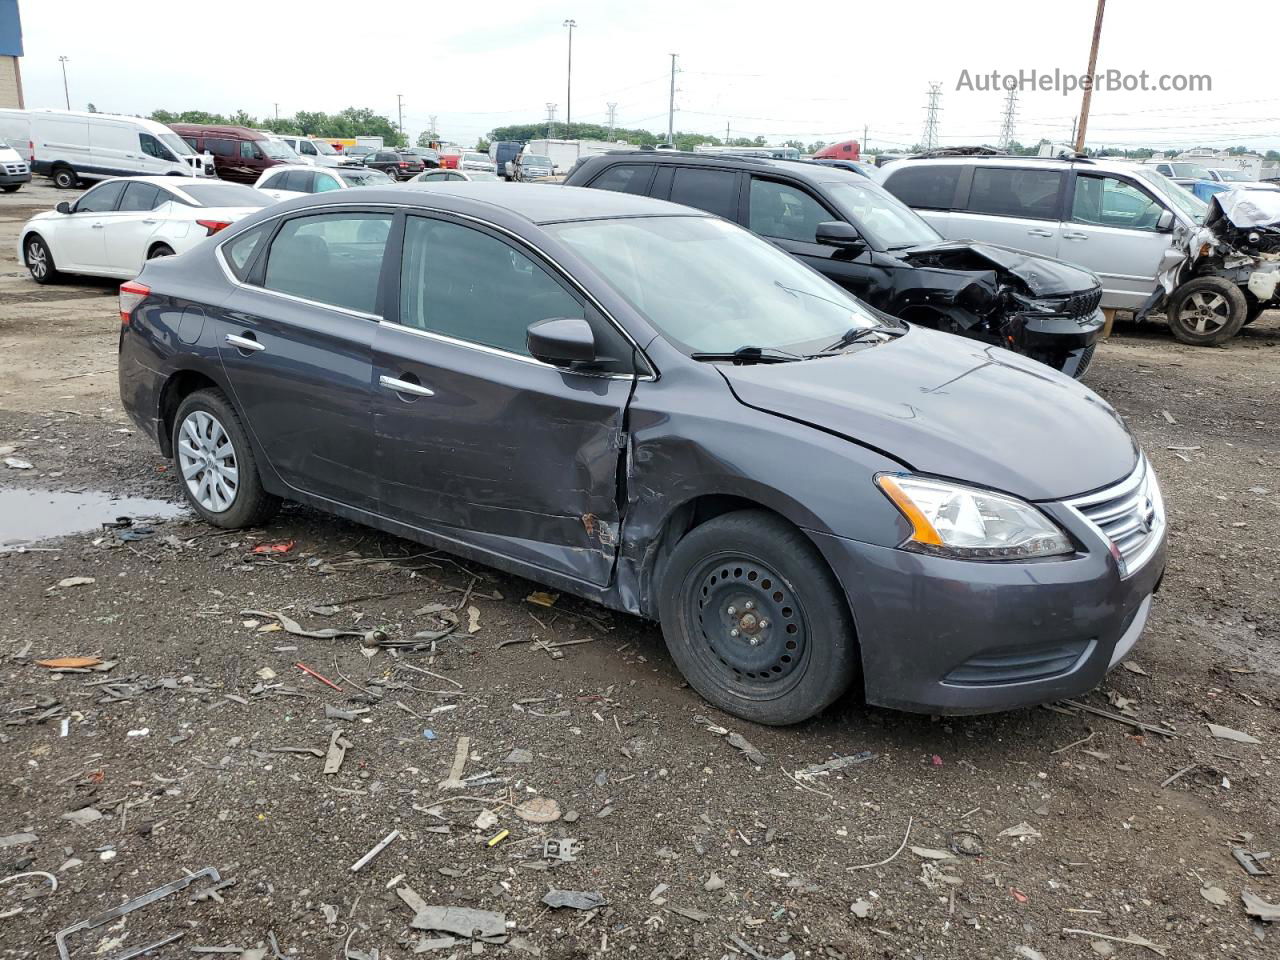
column 609, row 393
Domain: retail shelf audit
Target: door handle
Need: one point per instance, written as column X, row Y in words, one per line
column 95, row 226
column 404, row 386
column 151, row 220
column 245, row 343
column 1071, row 235
column 1037, row 232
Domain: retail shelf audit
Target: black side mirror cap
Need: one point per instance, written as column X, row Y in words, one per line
column 63, row 207
column 837, row 233
column 562, row 341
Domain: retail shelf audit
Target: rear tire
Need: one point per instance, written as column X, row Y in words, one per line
column 64, row 178
column 39, row 260
column 160, row 250
column 11, row 187
column 755, row 619
column 216, row 465
column 1206, row 311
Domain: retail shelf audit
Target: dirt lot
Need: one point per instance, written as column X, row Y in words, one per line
column 697, row 851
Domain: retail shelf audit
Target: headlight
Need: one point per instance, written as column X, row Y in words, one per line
column 952, row 520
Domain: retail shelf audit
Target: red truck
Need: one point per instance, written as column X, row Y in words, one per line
column 845, row 150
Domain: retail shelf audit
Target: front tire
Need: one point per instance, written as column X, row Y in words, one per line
column 11, row 187
column 755, row 619
column 216, row 465
column 1206, row 311
column 39, row 260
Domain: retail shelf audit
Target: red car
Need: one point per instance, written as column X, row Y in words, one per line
column 845, row 150
column 450, row 157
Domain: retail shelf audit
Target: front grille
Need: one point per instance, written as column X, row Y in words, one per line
column 1129, row 516
column 1080, row 304
column 15, row 168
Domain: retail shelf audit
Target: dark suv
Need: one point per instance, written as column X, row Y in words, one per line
column 397, row 166
column 856, row 233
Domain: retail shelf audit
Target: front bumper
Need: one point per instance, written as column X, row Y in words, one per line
column 953, row 637
column 9, row 179
column 1062, row 334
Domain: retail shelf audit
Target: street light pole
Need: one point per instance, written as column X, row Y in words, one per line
column 568, row 94
column 65, row 91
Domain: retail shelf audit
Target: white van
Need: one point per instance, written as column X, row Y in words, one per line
column 319, row 153
column 68, row 146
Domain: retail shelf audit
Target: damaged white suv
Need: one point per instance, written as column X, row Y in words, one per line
column 1152, row 243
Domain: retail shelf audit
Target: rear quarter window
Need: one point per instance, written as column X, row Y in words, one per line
column 926, row 187
column 240, row 250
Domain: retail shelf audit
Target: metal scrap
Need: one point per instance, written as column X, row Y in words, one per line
column 377, row 849
column 831, row 766
column 337, row 752
column 463, row 921
column 574, row 899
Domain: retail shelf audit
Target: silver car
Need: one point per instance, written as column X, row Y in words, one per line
column 1114, row 218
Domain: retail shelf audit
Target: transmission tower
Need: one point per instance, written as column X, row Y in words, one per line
column 613, row 109
column 1006, row 125
column 930, row 139
column 551, row 120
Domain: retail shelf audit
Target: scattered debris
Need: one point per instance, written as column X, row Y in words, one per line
column 889, row 859
column 1028, row 953
column 714, row 882
column 69, row 663
column 17, row 463
column 264, row 549
column 541, row 598
column 738, row 741
column 831, row 766
column 1023, row 829
column 1133, row 938
column 323, row 679
column 1251, row 862
column 464, row 921
column 1255, row 906
column 1215, row 895
column 336, row 753
column 17, row 840
column 454, row 780
column 519, row 755
column 928, row 853
column 861, row 909
column 289, row 625
column 53, row 881
column 966, row 842
column 1130, row 721
column 377, row 849
column 76, row 581
column 1226, row 733
column 574, row 899
column 565, row 849
column 84, row 816
column 1134, row 667
column 689, row 913
column 539, row 810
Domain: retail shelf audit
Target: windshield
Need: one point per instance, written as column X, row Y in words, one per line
column 475, row 157
column 358, row 151
column 277, row 150
column 225, row 195
column 1190, row 205
column 363, row 178
column 536, row 160
column 176, row 144
column 1191, row 170
column 1234, row 175
column 879, row 216
column 722, row 287
column 326, row 149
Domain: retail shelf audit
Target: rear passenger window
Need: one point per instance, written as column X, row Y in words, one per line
column 299, row 181
column 715, row 191
column 468, row 285
column 1003, row 192
column 331, row 258
column 240, row 250
column 140, row 196
column 222, row 148
column 929, row 188
column 624, row 178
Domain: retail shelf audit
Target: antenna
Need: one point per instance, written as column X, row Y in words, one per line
column 930, row 139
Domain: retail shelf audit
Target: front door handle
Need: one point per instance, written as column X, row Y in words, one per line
column 404, row 386
column 1071, row 235
column 245, row 343
column 96, row 226
column 1037, row 232
column 151, row 220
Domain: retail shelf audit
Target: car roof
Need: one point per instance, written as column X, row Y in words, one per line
column 533, row 202
column 804, row 169
column 226, row 130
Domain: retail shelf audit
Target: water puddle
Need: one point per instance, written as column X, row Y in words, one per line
column 28, row 516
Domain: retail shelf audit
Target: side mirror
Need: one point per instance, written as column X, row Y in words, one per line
column 562, row 341
column 63, row 207
column 837, row 233
column 1166, row 220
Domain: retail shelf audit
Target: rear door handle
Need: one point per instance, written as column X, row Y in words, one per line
column 1075, row 236
column 404, row 386
column 245, row 343
column 151, row 220
column 1037, row 232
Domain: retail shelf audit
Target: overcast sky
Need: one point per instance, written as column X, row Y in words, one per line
column 810, row 71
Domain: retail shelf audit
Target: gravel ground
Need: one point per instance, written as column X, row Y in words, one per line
column 697, row 850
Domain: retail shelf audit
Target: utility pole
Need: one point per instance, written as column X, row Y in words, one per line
column 277, row 111
column 930, row 139
column 551, row 120
column 864, row 140
column 400, row 113
column 613, row 111
column 1006, row 125
column 671, row 106
column 1088, row 90
column 65, row 91
column 726, row 133
column 435, row 134
column 568, row 93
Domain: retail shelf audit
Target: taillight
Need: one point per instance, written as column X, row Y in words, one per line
column 131, row 294
column 403, row 164
column 213, row 226
column 31, row 152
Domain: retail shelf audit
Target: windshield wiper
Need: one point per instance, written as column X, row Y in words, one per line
column 857, row 335
column 749, row 354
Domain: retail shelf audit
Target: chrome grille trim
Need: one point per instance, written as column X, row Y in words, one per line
column 1129, row 517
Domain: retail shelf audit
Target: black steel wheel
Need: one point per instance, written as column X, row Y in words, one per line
column 755, row 620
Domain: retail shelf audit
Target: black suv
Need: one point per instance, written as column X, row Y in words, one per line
column 856, row 233
column 397, row 166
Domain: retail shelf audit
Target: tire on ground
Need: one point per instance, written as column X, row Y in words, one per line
column 1207, row 290
column 828, row 660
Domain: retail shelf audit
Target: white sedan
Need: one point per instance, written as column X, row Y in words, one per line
column 115, row 227
column 446, row 176
column 294, row 180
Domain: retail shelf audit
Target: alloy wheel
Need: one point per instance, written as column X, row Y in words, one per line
column 1205, row 312
column 37, row 260
column 751, row 621
column 208, row 462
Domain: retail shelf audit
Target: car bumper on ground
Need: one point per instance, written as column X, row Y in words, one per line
column 953, row 637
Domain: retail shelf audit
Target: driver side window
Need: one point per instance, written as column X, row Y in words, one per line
column 100, row 199
column 785, row 212
column 1109, row 202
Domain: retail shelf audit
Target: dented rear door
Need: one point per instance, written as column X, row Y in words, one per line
column 477, row 441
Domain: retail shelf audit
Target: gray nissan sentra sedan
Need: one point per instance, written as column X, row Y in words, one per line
column 651, row 408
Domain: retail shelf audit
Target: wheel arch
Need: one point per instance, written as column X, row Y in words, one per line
column 177, row 388
column 151, row 247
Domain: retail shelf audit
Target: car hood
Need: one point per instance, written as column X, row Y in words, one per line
column 1043, row 276
column 954, row 408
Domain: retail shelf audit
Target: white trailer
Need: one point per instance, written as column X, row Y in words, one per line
column 565, row 153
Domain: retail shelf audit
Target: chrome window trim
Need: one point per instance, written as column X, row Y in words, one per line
column 220, row 257
column 1142, row 476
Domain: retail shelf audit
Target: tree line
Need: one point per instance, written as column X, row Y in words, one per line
column 345, row 124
